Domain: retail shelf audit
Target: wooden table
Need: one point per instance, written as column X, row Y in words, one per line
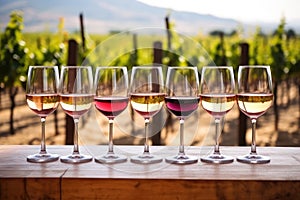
column 280, row 179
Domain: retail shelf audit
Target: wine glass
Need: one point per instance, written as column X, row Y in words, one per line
column 76, row 98
column 217, row 88
column 182, row 99
column 254, row 98
column 42, row 98
column 111, row 98
column 146, row 98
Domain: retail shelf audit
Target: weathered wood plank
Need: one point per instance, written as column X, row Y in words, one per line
column 30, row 188
column 178, row 189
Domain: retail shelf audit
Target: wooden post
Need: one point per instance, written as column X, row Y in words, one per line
column 157, row 53
column 223, row 56
column 134, row 56
column 82, row 31
column 0, row 97
column 134, row 37
column 72, row 61
column 244, row 60
column 168, row 32
column 157, row 119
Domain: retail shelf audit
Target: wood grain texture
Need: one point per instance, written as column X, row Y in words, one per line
column 179, row 189
column 280, row 179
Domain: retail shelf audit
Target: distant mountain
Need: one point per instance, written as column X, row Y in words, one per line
column 102, row 16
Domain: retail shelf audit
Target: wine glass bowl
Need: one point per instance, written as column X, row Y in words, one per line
column 146, row 98
column 43, row 99
column 254, row 98
column 182, row 99
column 111, row 99
column 147, row 105
column 254, row 105
column 75, row 105
column 76, row 98
column 217, row 98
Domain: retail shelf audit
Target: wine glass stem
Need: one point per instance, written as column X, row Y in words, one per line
column 253, row 144
column 76, row 148
column 217, row 122
column 181, row 128
column 43, row 143
column 146, row 146
column 110, row 137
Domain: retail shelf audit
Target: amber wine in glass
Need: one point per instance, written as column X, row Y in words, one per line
column 42, row 98
column 146, row 98
column 217, row 91
column 76, row 98
column 254, row 98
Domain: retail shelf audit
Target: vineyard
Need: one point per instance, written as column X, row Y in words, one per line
column 280, row 50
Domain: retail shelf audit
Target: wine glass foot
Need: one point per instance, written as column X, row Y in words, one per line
column 42, row 158
column 146, row 158
column 111, row 158
column 253, row 159
column 76, row 158
column 217, row 159
column 181, row 159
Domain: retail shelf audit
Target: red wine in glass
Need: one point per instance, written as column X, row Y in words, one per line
column 111, row 99
column 182, row 106
column 182, row 100
column 111, row 106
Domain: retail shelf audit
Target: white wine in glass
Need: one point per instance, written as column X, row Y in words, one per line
column 111, row 99
column 146, row 98
column 254, row 98
column 217, row 88
column 76, row 98
column 43, row 99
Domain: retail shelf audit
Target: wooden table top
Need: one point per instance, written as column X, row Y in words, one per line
column 237, row 178
column 284, row 165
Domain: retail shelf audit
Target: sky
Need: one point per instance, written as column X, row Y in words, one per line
column 268, row 11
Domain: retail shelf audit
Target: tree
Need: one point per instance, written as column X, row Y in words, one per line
column 13, row 62
column 290, row 34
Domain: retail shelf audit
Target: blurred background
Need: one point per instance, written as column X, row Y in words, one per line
column 170, row 33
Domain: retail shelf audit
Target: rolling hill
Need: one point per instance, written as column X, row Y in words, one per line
column 106, row 15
